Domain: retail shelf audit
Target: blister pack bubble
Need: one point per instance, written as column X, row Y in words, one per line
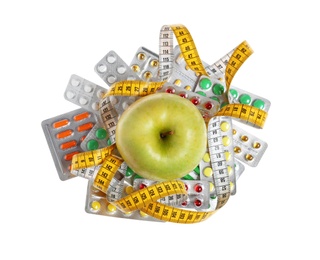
column 84, row 93
column 64, row 134
column 247, row 147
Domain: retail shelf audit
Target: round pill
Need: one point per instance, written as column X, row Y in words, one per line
column 135, row 68
column 83, row 101
column 121, row 69
column 111, row 59
column 101, row 133
column 129, row 189
column 225, row 126
column 88, row 88
column 234, row 131
column 218, row 89
column 249, row 157
column 197, row 203
column 245, row 99
column 187, row 87
column 206, row 157
column 147, row 75
column 207, row 172
column 205, row 83
column 231, row 186
column 211, row 186
column 100, row 93
column 154, row 63
column 258, row 103
column 195, row 101
column 109, row 142
column 197, row 170
column 198, row 188
column 227, row 155
column 177, row 82
column 95, row 106
column 70, row 94
column 230, row 170
column 244, row 138
column 92, row 145
column 75, row 82
column 141, row 56
column 233, row 93
column 102, row 68
column 237, row 149
column 111, row 208
column 111, row 79
column 256, row 145
column 129, row 172
column 226, row 140
column 95, row 205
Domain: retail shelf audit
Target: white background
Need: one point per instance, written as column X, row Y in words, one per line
column 275, row 213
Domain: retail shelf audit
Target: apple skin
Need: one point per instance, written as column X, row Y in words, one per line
column 139, row 141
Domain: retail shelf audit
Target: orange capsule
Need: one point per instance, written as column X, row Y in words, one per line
column 64, row 134
column 60, row 123
column 85, row 127
column 68, row 157
column 81, row 116
column 68, row 145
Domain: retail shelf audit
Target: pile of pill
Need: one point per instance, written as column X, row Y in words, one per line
column 82, row 142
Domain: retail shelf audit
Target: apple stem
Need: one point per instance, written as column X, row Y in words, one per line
column 163, row 135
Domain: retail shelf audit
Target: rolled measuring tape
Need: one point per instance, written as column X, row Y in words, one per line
column 147, row 199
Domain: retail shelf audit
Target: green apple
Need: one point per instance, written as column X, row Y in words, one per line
column 161, row 136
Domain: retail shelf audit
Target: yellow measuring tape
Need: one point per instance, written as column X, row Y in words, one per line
column 146, row 199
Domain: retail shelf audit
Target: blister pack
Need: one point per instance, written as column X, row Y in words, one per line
column 64, row 134
column 84, row 93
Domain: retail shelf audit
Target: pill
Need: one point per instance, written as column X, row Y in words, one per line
column 245, row 99
column 154, row 63
column 129, row 189
column 198, row 188
column 95, row 205
column 111, row 208
column 64, row 134
column 70, row 94
column 256, row 145
column 206, row 157
column 92, row 145
column 258, row 103
column 234, row 93
column 207, row 172
column 83, row 101
column 60, row 123
column 81, row 116
column 111, row 59
column 135, row 68
column 230, row 170
column 68, row 157
column 68, row 145
column 141, row 56
column 244, row 138
column 84, row 127
column 177, row 82
column 201, row 93
column 218, row 89
column 147, row 75
column 226, row 140
column 211, row 186
column 101, row 133
column 88, row 88
column 225, row 126
column 205, row 83
column 227, row 155
column 121, row 69
column 237, row 149
column 142, row 214
column 75, row 82
column 249, row 157
column 102, row 68
column 197, row 203
column 111, row 79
